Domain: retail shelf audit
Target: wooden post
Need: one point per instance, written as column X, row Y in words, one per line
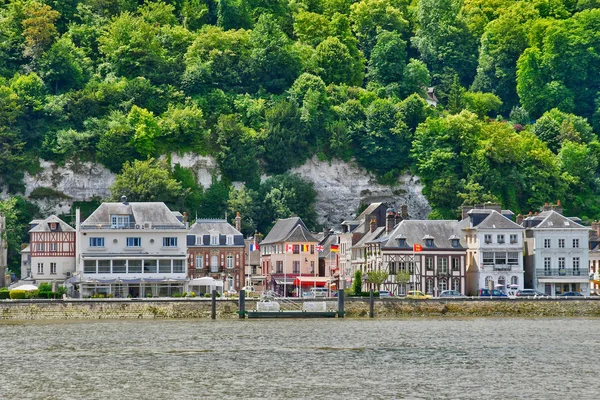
column 371, row 304
column 340, row 303
column 213, row 313
column 242, row 306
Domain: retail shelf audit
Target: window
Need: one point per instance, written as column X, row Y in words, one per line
column 514, row 239
column 488, row 258
column 178, row 266
column 164, row 266
column 40, row 246
column 229, row 239
column 429, row 242
column 53, row 268
column 455, row 242
column 487, row 281
column 229, row 261
column 456, row 284
column 429, row 286
column 561, row 265
column 199, row 262
column 500, row 239
column 96, row 242
column 296, row 249
column 561, row 243
column 487, row 239
column 514, row 280
column 575, row 265
column 312, row 267
column 443, row 266
column 455, row 264
column 443, row 285
column 41, row 268
column 119, row 221
column 199, row 240
column 429, row 263
column 575, row 243
column 52, row 246
column 500, row 258
column 546, row 243
column 119, row 266
column 214, row 264
column 312, row 249
column 89, row 266
column 135, row 266
column 134, row 242
column 150, row 266
column 104, row 266
column 169, row 242
column 296, row 267
column 547, row 265
column 214, row 239
column 279, row 267
column 513, row 257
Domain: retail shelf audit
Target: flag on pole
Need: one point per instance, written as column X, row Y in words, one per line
column 334, row 248
column 319, row 248
column 289, row 248
column 417, row 248
column 254, row 247
column 304, row 247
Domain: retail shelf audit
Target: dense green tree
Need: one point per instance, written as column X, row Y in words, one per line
column 64, row 66
column 311, row 28
column 482, row 104
column 148, row 180
column 233, row 14
column 237, row 156
column 388, row 59
column 39, row 28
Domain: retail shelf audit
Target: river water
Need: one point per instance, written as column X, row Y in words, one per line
column 301, row 359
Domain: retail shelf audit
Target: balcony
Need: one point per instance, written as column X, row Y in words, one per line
column 560, row 272
column 501, row 267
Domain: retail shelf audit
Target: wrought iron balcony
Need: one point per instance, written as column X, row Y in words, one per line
column 560, row 272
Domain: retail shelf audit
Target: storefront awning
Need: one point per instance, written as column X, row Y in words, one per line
column 310, row 281
column 288, row 281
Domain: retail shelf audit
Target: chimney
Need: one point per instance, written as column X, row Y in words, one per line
column 519, row 219
column 596, row 227
column 373, row 224
column 546, row 207
column 390, row 220
column 558, row 207
column 238, row 222
column 185, row 221
column 404, row 211
column 465, row 211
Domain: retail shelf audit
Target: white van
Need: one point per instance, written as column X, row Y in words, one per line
column 319, row 292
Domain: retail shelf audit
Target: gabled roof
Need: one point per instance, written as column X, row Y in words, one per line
column 43, row 225
column 330, row 239
column 369, row 237
column 288, row 230
column 156, row 213
column 553, row 220
column 495, row 220
column 414, row 231
column 369, row 210
column 206, row 226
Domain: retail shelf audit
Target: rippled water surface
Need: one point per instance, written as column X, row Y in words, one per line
column 282, row 359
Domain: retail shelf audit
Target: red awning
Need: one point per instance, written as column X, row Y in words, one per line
column 307, row 282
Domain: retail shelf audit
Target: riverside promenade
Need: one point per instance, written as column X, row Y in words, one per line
column 354, row 308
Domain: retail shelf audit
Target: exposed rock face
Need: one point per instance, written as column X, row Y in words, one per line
column 342, row 187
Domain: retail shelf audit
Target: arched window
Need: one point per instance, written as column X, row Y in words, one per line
column 502, row 281
column 443, row 285
column 429, row 285
column 514, row 280
column 487, row 281
column 456, row 284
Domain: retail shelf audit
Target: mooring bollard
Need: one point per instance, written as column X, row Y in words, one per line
column 213, row 313
column 371, row 304
column 340, row 304
column 242, row 305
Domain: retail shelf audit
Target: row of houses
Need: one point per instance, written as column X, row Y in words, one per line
column 146, row 250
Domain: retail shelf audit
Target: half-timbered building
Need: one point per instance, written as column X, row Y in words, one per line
column 51, row 250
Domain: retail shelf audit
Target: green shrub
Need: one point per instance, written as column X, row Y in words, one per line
column 4, row 293
column 206, row 294
column 19, row 294
column 175, row 295
column 191, row 294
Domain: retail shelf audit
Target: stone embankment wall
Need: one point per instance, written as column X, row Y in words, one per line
column 355, row 308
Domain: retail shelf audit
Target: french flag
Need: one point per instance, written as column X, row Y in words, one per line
column 253, row 247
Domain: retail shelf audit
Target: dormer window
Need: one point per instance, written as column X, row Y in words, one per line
column 229, row 239
column 429, row 242
column 52, row 226
column 119, row 221
column 454, row 242
column 214, row 240
column 402, row 242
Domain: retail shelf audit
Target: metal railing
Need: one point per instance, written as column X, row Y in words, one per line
column 286, row 303
column 561, row 272
column 131, row 225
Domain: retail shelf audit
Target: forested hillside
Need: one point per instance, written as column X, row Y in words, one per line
column 262, row 85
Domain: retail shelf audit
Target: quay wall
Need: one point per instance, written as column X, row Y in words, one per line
column 227, row 309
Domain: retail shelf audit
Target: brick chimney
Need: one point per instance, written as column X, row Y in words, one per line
column 390, row 220
column 404, row 211
column 373, row 225
column 238, row 222
column 184, row 220
column 557, row 207
column 519, row 219
column 465, row 211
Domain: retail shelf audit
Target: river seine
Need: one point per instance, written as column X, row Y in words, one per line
column 501, row 358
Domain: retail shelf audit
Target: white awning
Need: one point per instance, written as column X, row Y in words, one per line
column 564, row 279
column 205, row 281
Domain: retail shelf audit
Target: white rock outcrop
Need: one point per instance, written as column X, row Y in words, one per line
column 341, row 187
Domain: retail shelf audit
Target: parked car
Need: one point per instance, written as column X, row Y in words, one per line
column 308, row 295
column 319, row 292
column 452, row 293
column 570, row 294
column 531, row 293
column 231, row 292
column 418, row 295
column 491, row 293
column 385, row 293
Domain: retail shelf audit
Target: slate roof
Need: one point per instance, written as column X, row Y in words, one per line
column 206, row 226
column 326, row 243
column 495, row 220
column 44, row 225
column 369, row 210
column 553, row 220
column 415, row 230
column 289, row 230
column 156, row 213
column 369, row 237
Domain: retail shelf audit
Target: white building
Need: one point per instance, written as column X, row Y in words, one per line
column 494, row 249
column 557, row 254
column 131, row 250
